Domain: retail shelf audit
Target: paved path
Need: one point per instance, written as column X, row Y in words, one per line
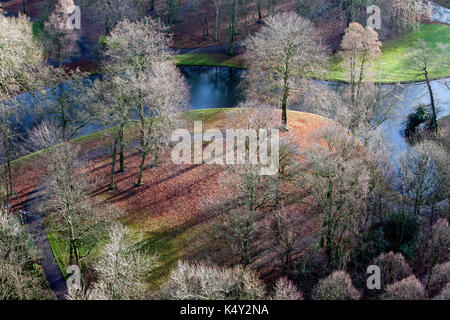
column 440, row 13
column 36, row 228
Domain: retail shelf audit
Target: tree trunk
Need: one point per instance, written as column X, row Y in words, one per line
column 286, row 90
column 141, row 169
column 259, row 10
column 122, row 151
column 434, row 123
column 216, row 37
column 244, row 252
column 113, row 165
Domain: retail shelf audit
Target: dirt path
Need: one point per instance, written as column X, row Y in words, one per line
column 36, row 228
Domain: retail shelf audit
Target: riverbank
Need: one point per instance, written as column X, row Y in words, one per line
column 388, row 68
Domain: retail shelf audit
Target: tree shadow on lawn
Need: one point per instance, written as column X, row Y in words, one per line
column 170, row 245
column 131, row 191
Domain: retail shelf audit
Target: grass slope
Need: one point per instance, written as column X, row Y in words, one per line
column 165, row 210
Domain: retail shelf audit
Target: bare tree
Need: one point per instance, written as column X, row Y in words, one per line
column 337, row 286
column 422, row 61
column 20, row 60
column 286, row 49
column 359, row 47
column 60, row 39
column 217, row 7
column 68, row 202
column 437, row 249
column 20, row 276
column 286, row 290
column 43, row 136
column 64, row 100
column 111, row 97
column 135, row 47
column 290, row 233
column 112, row 12
column 189, row 281
column 160, row 93
column 423, row 174
column 237, row 226
column 122, row 268
column 407, row 289
column 337, row 180
column 402, row 15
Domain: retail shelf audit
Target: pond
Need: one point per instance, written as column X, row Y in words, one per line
column 213, row 87
column 218, row 87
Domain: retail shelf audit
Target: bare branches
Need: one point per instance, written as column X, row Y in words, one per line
column 201, row 282
column 17, row 280
column 137, row 45
column 286, row 49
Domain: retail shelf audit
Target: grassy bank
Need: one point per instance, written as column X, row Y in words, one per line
column 389, row 67
column 210, row 59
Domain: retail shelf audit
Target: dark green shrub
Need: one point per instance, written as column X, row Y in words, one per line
column 401, row 231
column 415, row 119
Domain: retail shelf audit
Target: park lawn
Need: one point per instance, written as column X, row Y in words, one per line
column 389, row 67
column 168, row 244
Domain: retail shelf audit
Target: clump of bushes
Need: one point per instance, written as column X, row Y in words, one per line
column 393, row 267
column 439, row 277
column 439, row 243
column 407, row 289
column 201, row 282
column 337, row 286
column 286, row 290
column 445, row 294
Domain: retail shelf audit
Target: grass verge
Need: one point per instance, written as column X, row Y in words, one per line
column 210, row 59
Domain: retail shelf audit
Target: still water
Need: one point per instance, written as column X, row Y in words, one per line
column 218, row 87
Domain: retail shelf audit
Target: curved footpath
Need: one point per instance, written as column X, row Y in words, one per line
column 36, row 228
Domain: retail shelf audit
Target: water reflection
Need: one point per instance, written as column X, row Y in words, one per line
column 213, row 87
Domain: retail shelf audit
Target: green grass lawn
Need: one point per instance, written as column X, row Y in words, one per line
column 388, row 67
column 210, row 59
